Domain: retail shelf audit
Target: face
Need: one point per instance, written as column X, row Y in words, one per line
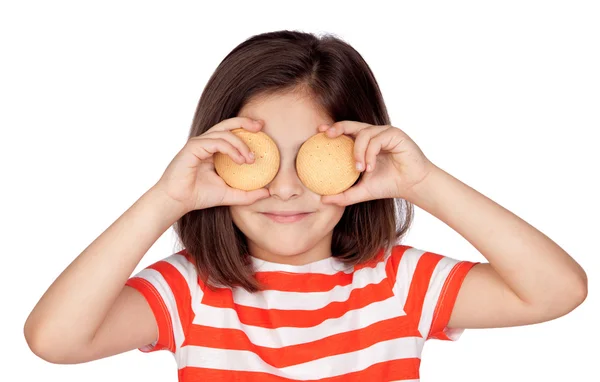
column 289, row 120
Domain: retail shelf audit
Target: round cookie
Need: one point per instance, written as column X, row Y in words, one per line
column 326, row 165
column 250, row 176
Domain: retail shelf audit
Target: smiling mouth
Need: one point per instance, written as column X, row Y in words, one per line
column 286, row 217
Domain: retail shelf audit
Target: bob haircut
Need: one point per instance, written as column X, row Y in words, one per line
column 336, row 77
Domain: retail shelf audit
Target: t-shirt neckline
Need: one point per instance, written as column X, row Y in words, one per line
column 326, row 265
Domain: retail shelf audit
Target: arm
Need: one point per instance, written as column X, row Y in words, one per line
column 88, row 312
column 529, row 278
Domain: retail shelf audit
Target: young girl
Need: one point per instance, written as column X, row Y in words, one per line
column 283, row 284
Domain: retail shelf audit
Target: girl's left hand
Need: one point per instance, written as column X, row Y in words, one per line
column 393, row 162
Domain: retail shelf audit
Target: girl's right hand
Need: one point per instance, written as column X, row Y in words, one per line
column 191, row 179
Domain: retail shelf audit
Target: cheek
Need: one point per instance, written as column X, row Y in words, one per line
column 333, row 210
column 330, row 216
column 239, row 217
column 247, row 221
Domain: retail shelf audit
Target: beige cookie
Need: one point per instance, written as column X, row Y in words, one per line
column 250, row 176
column 326, row 165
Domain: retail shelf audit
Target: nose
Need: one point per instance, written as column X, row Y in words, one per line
column 286, row 184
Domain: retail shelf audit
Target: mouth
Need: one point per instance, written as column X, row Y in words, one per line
column 286, row 216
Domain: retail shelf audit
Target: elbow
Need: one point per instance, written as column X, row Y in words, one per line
column 37, row 345
column 581, row 291
column 580, row 287
column 42, row 347
column 34, row 343
column 560, row 298
column 575, row 293
column 565, row 300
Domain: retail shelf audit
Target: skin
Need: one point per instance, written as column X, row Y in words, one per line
column 529, row 278
column 88, row 314
column 289, row 120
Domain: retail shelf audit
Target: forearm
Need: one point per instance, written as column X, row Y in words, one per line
column 530, row 263
column 76, row 303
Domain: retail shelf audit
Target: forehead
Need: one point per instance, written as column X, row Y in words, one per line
column 290, row 119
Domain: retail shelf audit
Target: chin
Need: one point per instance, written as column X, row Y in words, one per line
column 286, row 238
column 284, row 245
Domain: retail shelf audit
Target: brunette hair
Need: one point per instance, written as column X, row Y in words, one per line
column 337, row 79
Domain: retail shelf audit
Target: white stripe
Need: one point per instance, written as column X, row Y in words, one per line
column 238, row 360
column 405, row 272
column 327, row 266
column 188, row 272
column 438, row 277
column 274, row 299
column 158, row 281
column 287, row 336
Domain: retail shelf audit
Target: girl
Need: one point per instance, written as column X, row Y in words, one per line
column 283, row 284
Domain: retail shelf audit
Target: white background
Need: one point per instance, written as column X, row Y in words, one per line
column 96, row 99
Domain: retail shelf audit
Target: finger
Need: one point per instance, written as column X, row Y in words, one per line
column 386, row 140
column 205, row 147
column 361, row 143
column 236, row 141
column 352, row 195
column 346, row 127
column 236, row 123
column 324, row 127
column 234, row 196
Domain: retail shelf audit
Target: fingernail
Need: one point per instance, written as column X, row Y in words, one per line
column 359, row 166
column 331, row 130
column 369, row 167
column 251, row 155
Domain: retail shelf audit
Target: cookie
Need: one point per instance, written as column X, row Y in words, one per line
column 326, row 165
column 250, row 176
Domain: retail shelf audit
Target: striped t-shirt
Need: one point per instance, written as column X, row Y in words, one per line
column 321, row 321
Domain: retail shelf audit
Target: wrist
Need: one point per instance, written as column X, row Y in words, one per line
column 172, row 208
column 421, row 190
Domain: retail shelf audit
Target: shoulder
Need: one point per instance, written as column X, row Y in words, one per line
column 180, row 262
column 427, row 285
column 408, row 266
column 174, row 272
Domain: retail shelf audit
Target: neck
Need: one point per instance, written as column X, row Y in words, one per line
column 320, row 251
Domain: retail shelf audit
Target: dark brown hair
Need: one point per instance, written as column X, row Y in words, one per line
column 338, row 79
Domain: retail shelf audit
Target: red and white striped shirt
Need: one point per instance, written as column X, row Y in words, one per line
column 321, row 321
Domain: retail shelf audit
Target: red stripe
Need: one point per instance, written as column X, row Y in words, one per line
column 384, row 371
column 180, row 288
column 448, row 295
column 379, row 257
column 235, row 339
column 276, row 318
column 303, row 282
column 420, row 284
column 161, row 314
column 391, row 267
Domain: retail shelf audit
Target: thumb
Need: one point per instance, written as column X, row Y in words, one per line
column 235, row 196
column 354, row 194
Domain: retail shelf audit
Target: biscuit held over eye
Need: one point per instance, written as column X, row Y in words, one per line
column 250, row 176
column 326, row 165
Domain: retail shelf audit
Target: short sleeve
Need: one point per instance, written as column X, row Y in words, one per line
column 428, row 283
column 167, row 285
